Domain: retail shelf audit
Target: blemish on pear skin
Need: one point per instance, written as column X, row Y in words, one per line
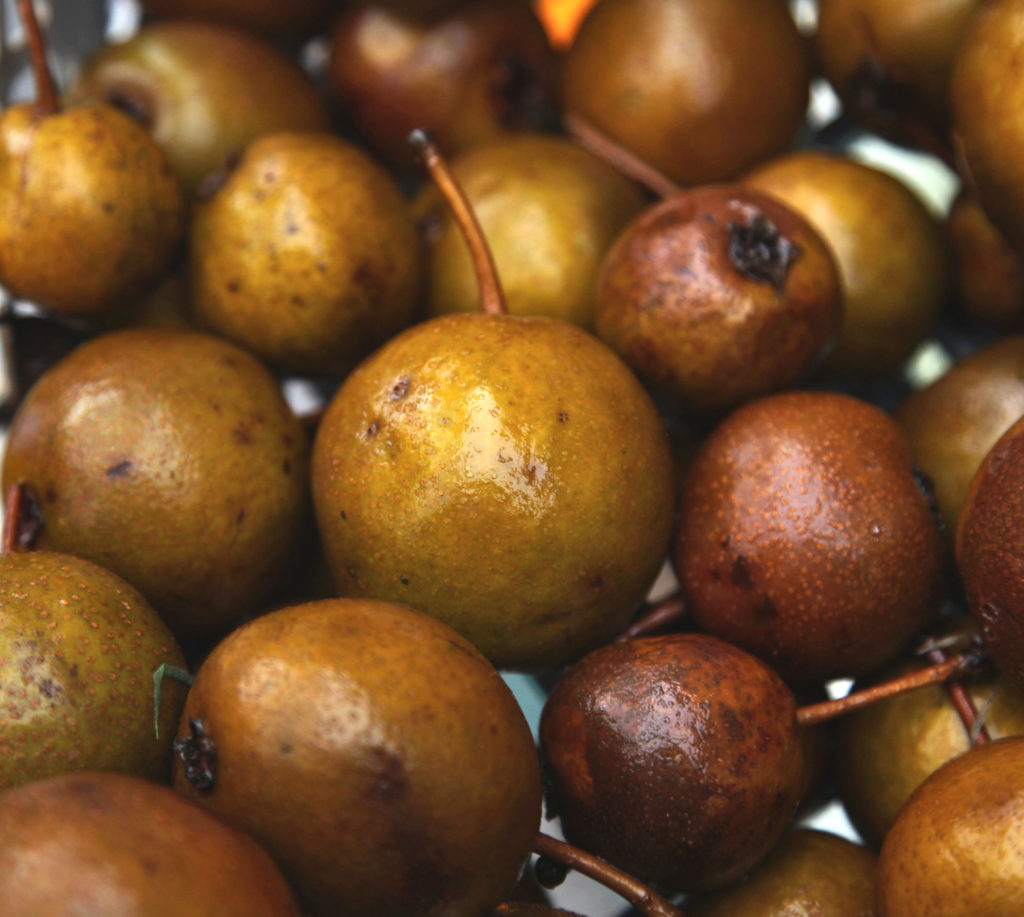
column 120, row 469
column 563, row 417
column 372, row 430
column 390, row 779
column 400, row 389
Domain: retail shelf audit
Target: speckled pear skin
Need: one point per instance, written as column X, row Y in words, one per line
column 990, row 551
column 805, row 537
column 678, row 758
column 957, row 847
column 90, row 211
column 78, row 648
column 172, row 458
column 307, row 255
column 507, row 475
column 411, row 785
column 100, row 843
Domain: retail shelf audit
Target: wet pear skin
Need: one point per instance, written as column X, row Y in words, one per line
column 191, row 484
column 508, row 475
column 411, row 785
column 78, row 647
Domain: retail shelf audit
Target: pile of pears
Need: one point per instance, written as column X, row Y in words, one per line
column 373, row 356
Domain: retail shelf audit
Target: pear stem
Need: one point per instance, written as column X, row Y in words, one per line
column 655, row 617
column 492, row 299
column 963, row 704
column 46, row 89
column 641, row 896
column 960, row 664
column 624, row 161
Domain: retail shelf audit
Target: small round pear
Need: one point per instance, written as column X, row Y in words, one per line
column 375, row 753
column 957, row 846
column 78, row 648
column 171, row 458
column 99, row 843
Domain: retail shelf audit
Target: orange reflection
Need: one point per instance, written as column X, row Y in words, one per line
column 562, row 18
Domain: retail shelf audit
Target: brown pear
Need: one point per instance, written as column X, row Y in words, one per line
column 990, row 550
column 804, row 536
column 477, row 72
column 677, row 758
column 96, row 843
column 699, row 90
column 378, row 756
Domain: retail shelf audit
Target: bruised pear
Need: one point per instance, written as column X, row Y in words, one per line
column 78, row 648
column 97, row 843
column 677, row 758
column 172, row 458
column 378, row 756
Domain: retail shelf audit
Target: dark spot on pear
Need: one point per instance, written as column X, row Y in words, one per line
column 741, row 572
column 291, row 229
column 49, row 688
column 286, row 748
column 121, row 469
column 400, row 389
column 298, row 301
column 242, row 435
column 372, row 430
column 344, row 515
column 404, row 580
column 563, row 417
column 390, row 778
column 108, row 207
column 766, row 610
column 240, row 517
column 287, row 467
column 233, row 286
column 73, row 671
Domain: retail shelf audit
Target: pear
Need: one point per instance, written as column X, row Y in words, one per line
column 172, row 458
column 478, row 452
column 375, row 753
column 97, row 843
column 90, row 211
column 549, row 209
column 957, row 846
column 78, row 648
column 203, row 90
column 306, row 254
